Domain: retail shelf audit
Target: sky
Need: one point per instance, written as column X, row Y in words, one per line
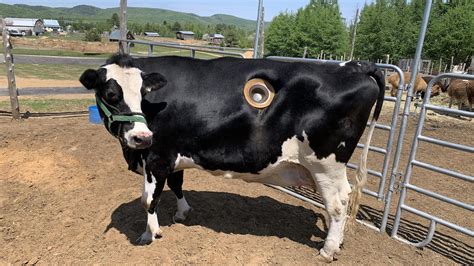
column 240, row 8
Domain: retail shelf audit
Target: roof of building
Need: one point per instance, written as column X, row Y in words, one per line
column 52, row 23
column 217, row 36
column 20, row 22
column 152, row 34
column 115, row 35
column 185, row 32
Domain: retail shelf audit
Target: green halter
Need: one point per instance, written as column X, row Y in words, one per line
column 119, row 116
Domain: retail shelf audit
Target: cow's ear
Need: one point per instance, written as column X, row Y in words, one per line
column 90, row 79
column 153, row 81
column 152, row 109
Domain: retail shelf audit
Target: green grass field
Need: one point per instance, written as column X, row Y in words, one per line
column 49, row 105
column 59, row 72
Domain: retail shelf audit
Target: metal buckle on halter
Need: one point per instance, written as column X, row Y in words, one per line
column 119, row 117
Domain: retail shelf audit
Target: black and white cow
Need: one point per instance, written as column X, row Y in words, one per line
column 199, row 117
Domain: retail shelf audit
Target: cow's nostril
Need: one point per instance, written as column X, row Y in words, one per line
column 137, row 140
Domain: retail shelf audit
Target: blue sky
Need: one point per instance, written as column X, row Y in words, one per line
column 241, row 8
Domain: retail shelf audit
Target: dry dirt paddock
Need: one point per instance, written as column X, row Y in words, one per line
column 66, row 196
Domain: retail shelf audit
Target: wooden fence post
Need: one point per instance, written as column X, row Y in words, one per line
column 123, row 45
column 7, row 51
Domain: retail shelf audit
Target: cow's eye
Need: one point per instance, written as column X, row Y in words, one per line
column 112, row 97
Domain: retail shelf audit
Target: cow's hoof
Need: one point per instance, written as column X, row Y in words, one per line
column 325, row 256
column 148, row 237
column 179, row 218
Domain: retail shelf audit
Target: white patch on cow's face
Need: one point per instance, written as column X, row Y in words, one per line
column 130, row 80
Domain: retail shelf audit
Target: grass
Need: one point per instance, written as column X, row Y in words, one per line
column 53, row 71
column 49, row 105
column 26, row 51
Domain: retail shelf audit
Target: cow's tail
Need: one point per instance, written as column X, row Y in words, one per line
column 361, row 173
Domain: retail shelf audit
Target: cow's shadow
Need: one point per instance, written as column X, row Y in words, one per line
column 227, row 213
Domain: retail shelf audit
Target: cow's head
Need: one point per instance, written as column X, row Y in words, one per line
column 119, row 88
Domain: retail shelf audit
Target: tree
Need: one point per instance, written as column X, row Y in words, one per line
column 318, row 26
column 115, row 20
column 451, row 32
column 92, row 35
column 176, row 26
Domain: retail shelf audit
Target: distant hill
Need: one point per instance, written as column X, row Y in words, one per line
column 135, row 14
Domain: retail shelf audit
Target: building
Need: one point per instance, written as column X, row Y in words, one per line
column 115, row 36
column 27, row 26
column 151, row 34
column 216, row 38
column 52, row 25
column 185, row 35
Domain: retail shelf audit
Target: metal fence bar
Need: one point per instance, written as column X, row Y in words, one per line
column 373, row 148
column 370, row 171
column 443, row 170
column 447, row 144
column 448, row 110
column 438, row 220
column 182, row 47
column 440, row 197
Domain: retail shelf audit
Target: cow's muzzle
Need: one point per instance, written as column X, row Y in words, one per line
column 140, row 140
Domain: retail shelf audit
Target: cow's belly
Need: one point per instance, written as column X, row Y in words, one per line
column 288, row 170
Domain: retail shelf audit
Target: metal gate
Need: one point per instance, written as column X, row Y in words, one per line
column 414, row 162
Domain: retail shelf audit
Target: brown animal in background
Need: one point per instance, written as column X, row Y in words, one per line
column 460, row 90
column 420, row 84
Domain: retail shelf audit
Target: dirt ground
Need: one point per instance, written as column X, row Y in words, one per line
column 66, row 196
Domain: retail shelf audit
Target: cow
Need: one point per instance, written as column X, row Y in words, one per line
column 419, row 87
column 461, row 91
column 200, row 118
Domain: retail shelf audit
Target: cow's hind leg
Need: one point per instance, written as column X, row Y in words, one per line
column 331, row 181
column 153, row 186
column 175, row 183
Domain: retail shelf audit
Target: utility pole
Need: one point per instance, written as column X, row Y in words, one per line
column 257, row 32
column 354, row 32
column 7, row 51
column 261, row 49
column 123, row 45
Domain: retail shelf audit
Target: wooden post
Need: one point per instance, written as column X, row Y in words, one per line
column 440, row 63
column 123, row 45
column 7, row 51
column 451, row 66
column 305, row 52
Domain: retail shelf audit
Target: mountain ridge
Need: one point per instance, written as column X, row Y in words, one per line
column 140, row 15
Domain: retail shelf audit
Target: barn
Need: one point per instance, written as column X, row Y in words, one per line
column 185, row 35
column 51, row 25
column 115, row 36
column 27, row 26
column 216, row 38
column 151, row 34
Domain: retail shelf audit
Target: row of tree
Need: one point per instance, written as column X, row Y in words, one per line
column 385, row 27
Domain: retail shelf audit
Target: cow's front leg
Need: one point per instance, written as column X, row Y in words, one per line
column 153, row 186
column 175, row 183
column 334, row 188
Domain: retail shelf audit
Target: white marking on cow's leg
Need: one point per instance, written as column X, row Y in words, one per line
column 148, row 188
column 331, row 180
column 183, row 210
column 153, row 227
